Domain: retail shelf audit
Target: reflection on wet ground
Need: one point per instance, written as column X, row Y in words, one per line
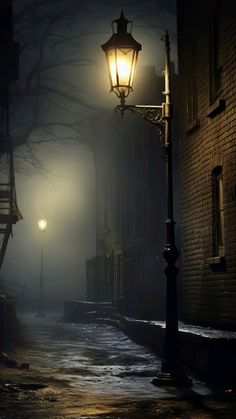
column 94, row 357
column 94, row 371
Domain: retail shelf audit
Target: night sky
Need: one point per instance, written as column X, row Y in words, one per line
column 63, row 85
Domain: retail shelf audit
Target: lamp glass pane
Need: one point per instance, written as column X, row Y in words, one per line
column 122, row 62
column 124, row 59
column 111, row 57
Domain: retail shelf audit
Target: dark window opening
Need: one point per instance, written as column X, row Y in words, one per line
column 218, row 212
column 215, row 52
column 192, row 105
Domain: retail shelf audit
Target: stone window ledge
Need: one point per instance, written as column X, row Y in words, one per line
column 216, row 260
column 217, row 107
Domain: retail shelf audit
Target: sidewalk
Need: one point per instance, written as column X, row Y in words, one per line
column 94, row 371
column 210, row 353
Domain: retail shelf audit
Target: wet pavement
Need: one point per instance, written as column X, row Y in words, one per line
column 94, row 371
column 95, row 357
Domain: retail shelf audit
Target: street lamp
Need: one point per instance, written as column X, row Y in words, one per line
column 122, row 53
column 42, row 225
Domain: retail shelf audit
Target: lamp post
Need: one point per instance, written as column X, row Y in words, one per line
column 42, row 225
column 122, row 52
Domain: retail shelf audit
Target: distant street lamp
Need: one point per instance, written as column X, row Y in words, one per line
column 122, row 52
column 42, row 225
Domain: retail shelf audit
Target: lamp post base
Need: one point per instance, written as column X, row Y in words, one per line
column 180, row 380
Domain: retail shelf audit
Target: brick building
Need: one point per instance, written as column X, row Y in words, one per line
column 207, row 68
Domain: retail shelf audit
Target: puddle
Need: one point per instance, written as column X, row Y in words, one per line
column 16, row 387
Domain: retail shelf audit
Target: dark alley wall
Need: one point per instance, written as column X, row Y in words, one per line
column 208, row 160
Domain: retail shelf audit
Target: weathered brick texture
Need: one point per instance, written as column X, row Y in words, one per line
column 208, row 292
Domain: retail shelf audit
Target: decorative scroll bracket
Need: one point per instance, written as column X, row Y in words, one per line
column 154, row 114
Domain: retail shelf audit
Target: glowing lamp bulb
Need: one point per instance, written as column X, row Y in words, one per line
column 42, row 224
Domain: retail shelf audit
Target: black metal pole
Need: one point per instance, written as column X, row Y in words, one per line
column 161, row 117
column 171, row 371
column 40, row 312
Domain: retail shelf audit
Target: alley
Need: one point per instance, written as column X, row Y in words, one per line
column 91, row 371
column 92, row 357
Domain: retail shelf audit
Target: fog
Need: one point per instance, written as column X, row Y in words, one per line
column 65, row 198
column 54, row 159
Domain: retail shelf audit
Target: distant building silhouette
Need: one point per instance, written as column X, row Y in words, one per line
column 9, row 66
column 130, row 175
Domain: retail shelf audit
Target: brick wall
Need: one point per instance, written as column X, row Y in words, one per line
column 208, row 284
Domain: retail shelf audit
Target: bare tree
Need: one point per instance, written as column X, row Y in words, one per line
column 59, row 46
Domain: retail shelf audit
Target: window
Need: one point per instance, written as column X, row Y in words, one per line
column 217, row 212
column 215, row 52
column 192, row 87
